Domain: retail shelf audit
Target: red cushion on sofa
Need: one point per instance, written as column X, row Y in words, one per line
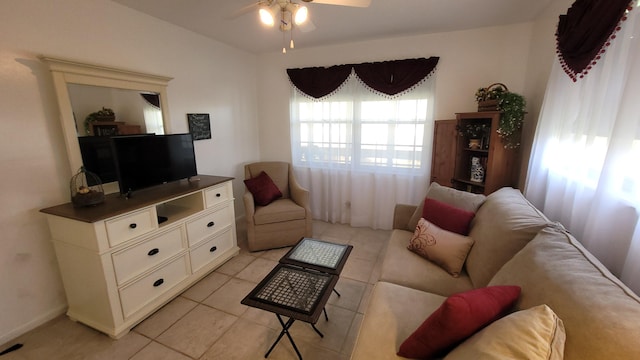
column 447, row 217
column 264, row 190
column 459, row 317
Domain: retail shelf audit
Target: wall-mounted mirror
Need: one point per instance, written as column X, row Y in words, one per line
column 96, row 102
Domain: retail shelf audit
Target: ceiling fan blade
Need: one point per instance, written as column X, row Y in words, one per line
column 307, row 26
column 354, row 3
column 244, row 10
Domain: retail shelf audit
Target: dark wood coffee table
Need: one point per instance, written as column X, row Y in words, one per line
column 318, row 255
column 295, row 292
column 300, row 285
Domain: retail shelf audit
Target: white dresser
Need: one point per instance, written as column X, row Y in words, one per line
column 122, row 260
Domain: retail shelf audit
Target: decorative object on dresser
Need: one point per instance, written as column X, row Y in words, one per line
column 124, row 259
column 86, row 189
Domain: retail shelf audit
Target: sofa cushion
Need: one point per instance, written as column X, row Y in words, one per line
column 600, row 314
column 263, row 189
column 459, row 317
column 503, row 225
column 278, row 211
column 445, row 248
column 459, row 199
column 536, row 333
column 403, row 267
column 393, row 313
column 447, row 217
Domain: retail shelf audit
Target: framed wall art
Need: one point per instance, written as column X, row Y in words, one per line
column 199, row 126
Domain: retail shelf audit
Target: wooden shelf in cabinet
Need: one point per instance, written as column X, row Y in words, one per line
column 499, row 163
column 484, row 152
column 469, row 182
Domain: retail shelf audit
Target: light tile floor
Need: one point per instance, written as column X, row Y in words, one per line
column 207, row 321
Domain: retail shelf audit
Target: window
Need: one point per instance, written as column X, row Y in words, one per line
column 358, row 129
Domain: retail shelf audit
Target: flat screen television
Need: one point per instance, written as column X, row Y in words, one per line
column 147, row 160
column 97, row 157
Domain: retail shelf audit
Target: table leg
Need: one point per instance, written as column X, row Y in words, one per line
column 336, row 291
column 285, row 330
column 318, row 331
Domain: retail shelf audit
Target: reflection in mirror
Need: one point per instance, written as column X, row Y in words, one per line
column 129, row 112
column 135, row 112
column 138, row 102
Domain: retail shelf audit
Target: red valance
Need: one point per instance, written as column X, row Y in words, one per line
column 393, row 77
column 585, row 31
column 319, row 81
column 153, row 99
column 387, row 77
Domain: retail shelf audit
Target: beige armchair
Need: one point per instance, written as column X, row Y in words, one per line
column 284, row 221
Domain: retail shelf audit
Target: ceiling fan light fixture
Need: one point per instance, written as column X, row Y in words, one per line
column 268, row 15
column 301, row 14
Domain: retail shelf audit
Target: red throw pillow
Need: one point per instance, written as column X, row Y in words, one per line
column 447, row 217
column 263, row 189
column 459, row 317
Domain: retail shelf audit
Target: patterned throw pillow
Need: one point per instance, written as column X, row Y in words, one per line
column 444, row 248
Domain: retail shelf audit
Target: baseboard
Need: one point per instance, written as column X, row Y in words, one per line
column 48, row 316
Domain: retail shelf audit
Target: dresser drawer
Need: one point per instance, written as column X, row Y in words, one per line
column 135, row 260
column 135, row 296
column 218, row 194
column 211, row 249
column 206, row 226
column 128, row 226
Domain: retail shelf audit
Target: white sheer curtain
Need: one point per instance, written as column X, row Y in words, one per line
column 359, row 153
column 153, row 119
column 585, row 165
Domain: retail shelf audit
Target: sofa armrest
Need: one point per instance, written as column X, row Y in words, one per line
column 401, row 215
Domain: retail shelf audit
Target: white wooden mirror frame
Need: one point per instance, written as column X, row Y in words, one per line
column 66, row 72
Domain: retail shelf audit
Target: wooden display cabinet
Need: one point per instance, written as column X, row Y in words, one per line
column 499, row 163
column 444, row 151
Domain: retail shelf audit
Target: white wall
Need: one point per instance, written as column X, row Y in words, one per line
column 209, row 77
column 468, row 60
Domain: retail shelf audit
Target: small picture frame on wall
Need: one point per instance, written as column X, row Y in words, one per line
column 199, row 126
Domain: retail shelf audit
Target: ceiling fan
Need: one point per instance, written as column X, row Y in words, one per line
column 291, row 13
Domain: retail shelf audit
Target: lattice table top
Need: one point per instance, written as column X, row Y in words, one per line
column 318, row 252
column 293, row 288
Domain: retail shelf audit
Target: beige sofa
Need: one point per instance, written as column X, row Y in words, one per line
column 515, row 244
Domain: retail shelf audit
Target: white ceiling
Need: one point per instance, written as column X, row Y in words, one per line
column 337, row 24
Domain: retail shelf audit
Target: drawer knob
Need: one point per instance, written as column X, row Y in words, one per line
column 210, row 224
column 158, row 282
column 133, row 225
column 213, row 248
column 153, row 251
column 218, row 195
